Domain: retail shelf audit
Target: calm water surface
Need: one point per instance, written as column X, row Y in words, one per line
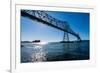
column 31, row 52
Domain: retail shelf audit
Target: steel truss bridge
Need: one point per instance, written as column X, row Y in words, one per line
column 42, row 16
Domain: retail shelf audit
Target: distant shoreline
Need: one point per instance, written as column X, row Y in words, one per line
column 56, row 42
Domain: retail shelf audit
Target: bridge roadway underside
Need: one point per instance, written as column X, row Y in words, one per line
column 49, row 24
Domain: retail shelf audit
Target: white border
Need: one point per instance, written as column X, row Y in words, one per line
column 17, row 67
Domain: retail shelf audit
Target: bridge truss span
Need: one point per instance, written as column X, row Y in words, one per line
column 47, row 19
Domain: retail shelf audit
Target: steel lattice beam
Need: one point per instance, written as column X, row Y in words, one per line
column 42, row 16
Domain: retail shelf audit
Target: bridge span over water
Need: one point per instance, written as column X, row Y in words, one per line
column 45, row 18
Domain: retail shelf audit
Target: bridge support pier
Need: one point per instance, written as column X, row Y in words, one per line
column 66, row 37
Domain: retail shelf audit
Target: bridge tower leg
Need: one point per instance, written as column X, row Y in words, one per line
column 66, row 36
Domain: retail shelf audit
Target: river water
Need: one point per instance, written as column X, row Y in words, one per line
column 31, row 52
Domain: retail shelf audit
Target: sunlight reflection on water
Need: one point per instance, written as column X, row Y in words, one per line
column 31, row 52
column 39, row 54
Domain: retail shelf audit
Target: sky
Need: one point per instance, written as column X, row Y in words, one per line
column 33, row 30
